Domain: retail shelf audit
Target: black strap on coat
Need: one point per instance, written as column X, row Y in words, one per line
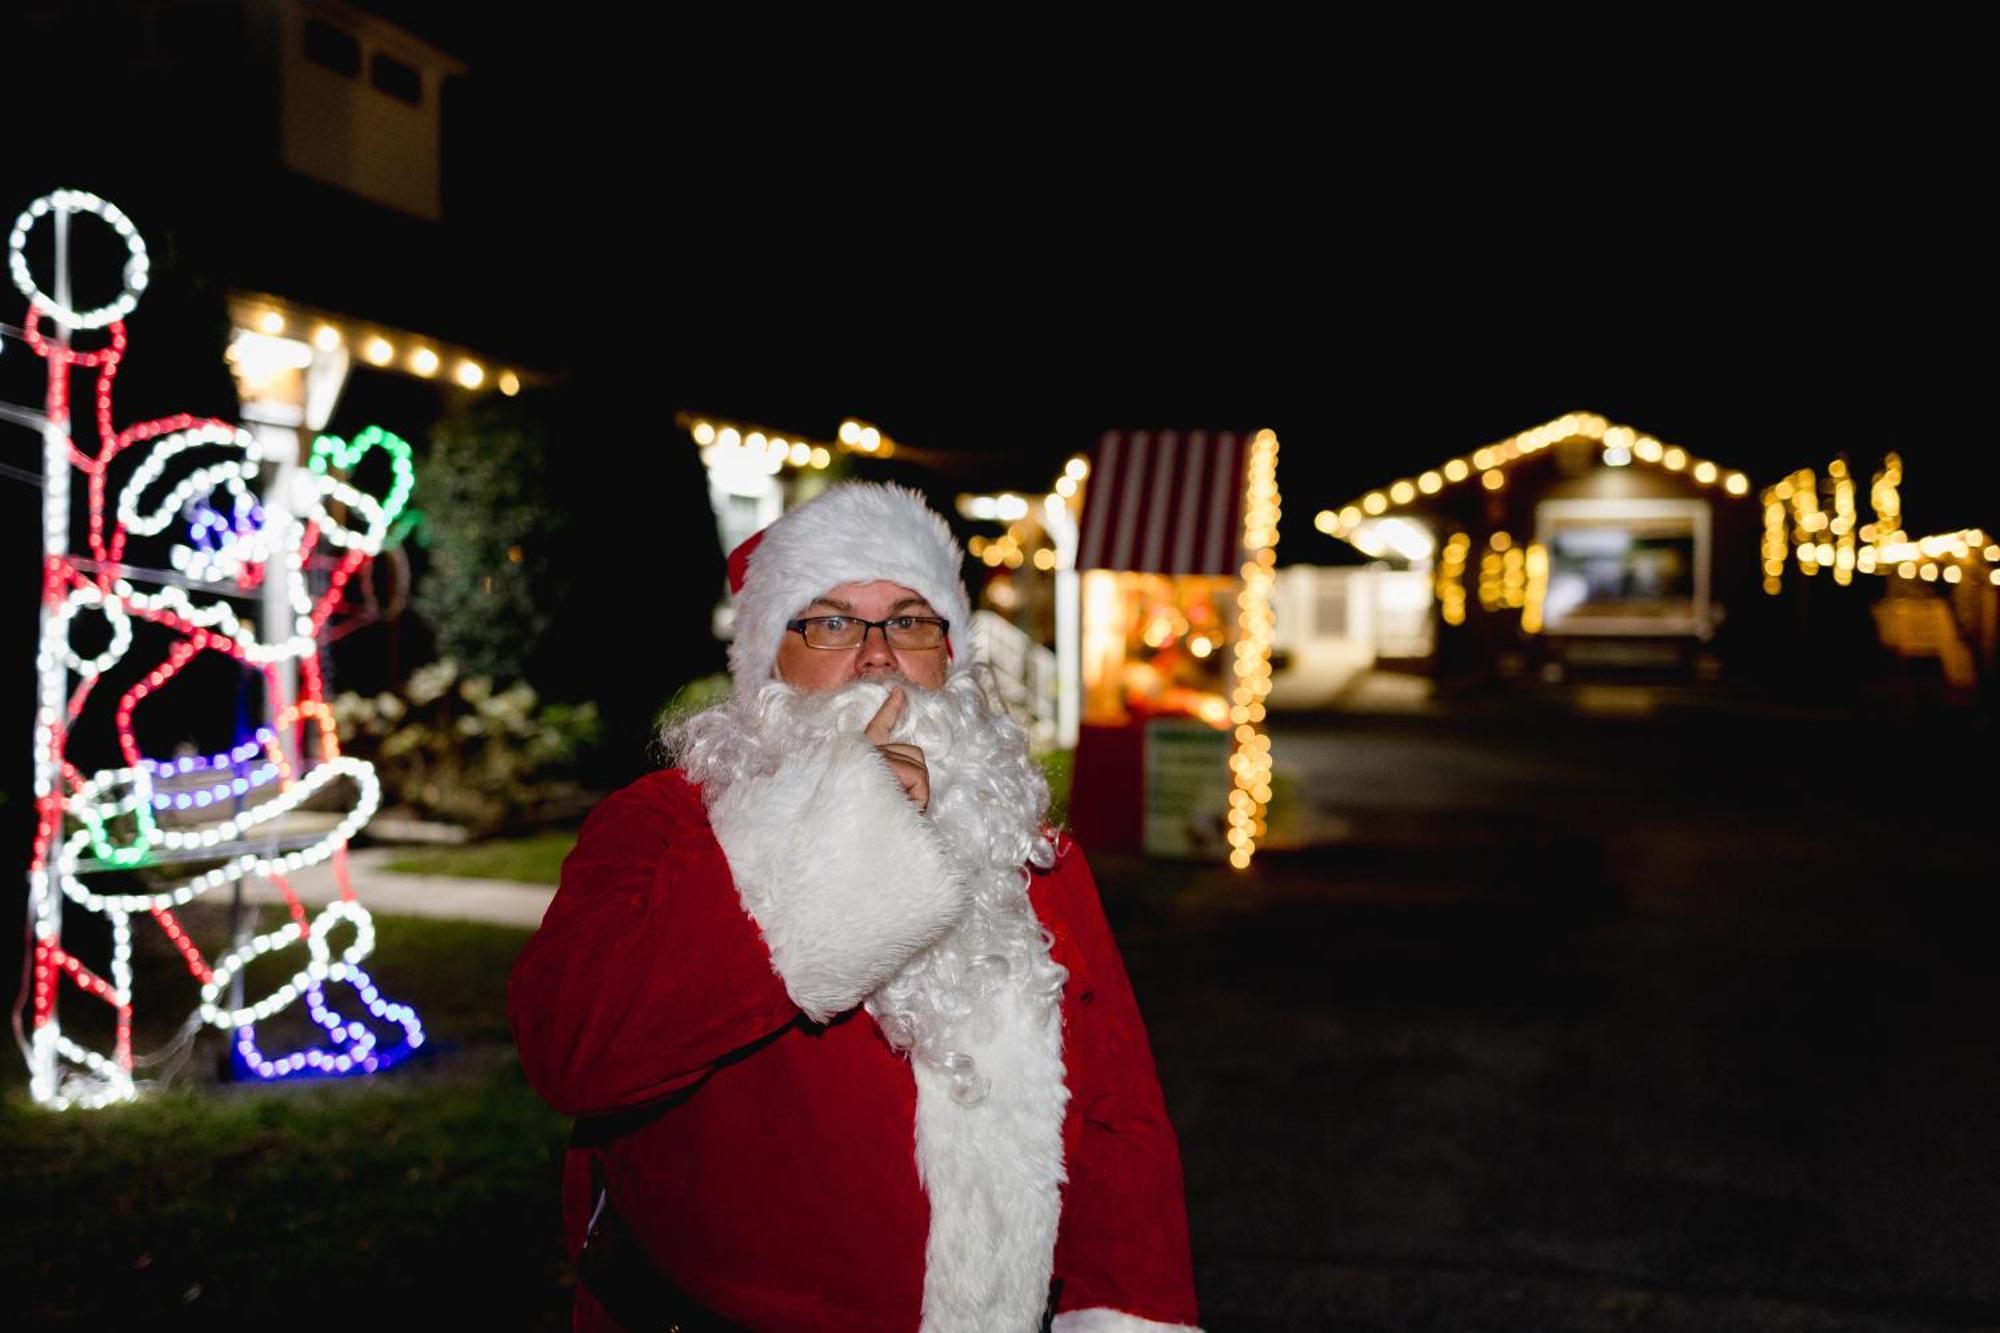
column 624, row 1281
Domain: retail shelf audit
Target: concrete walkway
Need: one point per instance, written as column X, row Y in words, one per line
column 381, row 890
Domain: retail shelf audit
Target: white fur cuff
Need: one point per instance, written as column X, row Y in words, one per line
column 844, row 876
column 1103, row 1320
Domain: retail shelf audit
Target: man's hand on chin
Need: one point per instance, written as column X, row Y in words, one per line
column 906, row 761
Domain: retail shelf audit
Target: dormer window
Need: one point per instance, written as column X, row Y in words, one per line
column 390, row 75
column 334, row 48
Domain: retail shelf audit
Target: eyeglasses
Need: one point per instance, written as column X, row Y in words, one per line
column 852, row 632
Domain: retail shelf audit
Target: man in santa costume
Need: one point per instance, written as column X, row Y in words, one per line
column 847, row 1036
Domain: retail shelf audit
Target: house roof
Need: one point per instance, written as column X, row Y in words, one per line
column 1488, row 466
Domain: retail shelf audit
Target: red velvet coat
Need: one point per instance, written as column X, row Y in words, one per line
column 782, row 1191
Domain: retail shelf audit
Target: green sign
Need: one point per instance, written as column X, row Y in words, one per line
column 1187, row 789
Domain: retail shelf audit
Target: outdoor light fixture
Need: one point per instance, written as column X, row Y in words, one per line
column 259, row 355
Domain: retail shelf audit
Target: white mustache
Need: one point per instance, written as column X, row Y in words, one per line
column 926, row 721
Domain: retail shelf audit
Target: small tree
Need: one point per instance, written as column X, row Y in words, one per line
column 491, row 583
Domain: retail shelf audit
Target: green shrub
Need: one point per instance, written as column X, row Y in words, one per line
column 456, row 749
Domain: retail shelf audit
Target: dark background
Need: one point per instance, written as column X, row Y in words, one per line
column 1764, row 257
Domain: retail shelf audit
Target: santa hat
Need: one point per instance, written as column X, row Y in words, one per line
column 856, row 532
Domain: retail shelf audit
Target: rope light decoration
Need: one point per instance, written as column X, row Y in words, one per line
column 193, row 486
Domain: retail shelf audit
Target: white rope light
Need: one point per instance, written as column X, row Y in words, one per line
column 137, row 266
column 157, row 813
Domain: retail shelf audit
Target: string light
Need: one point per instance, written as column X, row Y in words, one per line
column 1451, row 578
column 731, row 446
column 1621, row 446
column 261, row 343
column 117, row 819
column 1536, row 588
column 1250, row 764
column 1776, row 546
column 1492, row 565
column 1797, row 531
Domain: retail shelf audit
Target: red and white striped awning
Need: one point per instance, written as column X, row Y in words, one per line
column 1165, row 502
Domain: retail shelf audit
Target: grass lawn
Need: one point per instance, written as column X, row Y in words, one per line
column 1057, row 767
column 536, row 859
column 428, row 1189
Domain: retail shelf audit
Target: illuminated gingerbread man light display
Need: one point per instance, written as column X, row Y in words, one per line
column 176, row 528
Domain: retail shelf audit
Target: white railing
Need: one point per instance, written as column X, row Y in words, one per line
column 1024, row 672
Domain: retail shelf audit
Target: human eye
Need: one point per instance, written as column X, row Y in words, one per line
column 902, row 624
column 833, row 624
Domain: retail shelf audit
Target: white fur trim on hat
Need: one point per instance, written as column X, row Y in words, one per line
column 856, row 532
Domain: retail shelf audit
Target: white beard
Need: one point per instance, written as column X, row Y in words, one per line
column 987, row 798
column 978, row 1009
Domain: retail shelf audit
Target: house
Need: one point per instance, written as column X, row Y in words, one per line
column 1581, row 549
column 1576, row 548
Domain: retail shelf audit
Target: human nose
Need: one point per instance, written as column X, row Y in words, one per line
column 875, row 653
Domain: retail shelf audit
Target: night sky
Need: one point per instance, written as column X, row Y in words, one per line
column 1764, row 272
column 1763, row 263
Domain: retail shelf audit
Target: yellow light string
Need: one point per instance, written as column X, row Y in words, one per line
column 1451, row 578
column 1537, row 589
column 1622, row 445
column 1492, row 572
column 1250, row 765
column 381, row 347
column 1776, row 548
column 1843, row 522
column 1514, row 578
column 1797, row 530
column 779, row 447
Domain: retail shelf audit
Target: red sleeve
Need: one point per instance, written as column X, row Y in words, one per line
column 646, row 970
column 1123, row 1241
